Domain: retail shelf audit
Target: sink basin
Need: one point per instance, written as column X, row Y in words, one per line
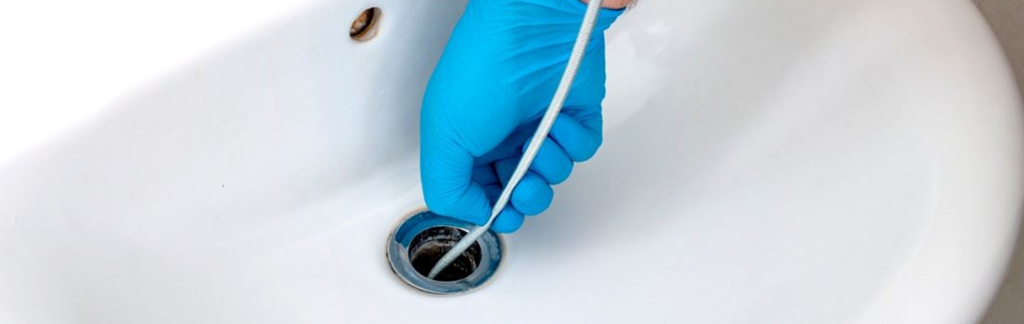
column 777, row 161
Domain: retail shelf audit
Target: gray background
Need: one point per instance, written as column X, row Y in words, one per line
column 1007, row 19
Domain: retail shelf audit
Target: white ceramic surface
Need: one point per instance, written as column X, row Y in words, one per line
column 776, row 161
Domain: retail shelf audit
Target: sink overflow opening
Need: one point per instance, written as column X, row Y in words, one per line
column 364, row 27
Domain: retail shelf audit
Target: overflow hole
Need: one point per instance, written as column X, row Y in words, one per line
column 364, row 27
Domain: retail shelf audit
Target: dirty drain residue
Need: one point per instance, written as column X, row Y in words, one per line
column 430, row 245
column 415, row 246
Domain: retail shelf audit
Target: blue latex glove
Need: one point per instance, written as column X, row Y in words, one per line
column 488, row 92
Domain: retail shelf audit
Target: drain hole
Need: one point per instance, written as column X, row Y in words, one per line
column 365, row 26
column 421, row 240
column 430, row 245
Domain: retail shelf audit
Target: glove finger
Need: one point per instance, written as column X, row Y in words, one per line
column 504, row 168
column 551, row 162
column 511, row 146
column 492, row 189
column 579, row 137
column 532, row 196
column 446, row 174
column 484, row 175
column 508, row 221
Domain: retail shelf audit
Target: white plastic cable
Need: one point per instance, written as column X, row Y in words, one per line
column 589, row 20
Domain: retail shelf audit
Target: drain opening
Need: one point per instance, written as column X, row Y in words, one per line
column 364, row 27
column 430, row 245
column 424, row 237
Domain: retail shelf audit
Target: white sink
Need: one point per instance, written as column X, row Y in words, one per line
column 775, row 161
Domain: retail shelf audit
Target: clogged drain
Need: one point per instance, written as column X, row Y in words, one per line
column 430, row 245
column 419, row 242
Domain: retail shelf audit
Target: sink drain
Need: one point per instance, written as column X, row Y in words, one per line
column 415, row 246
column 430, row 245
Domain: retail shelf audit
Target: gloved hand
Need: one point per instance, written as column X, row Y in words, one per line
column 488, row 92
